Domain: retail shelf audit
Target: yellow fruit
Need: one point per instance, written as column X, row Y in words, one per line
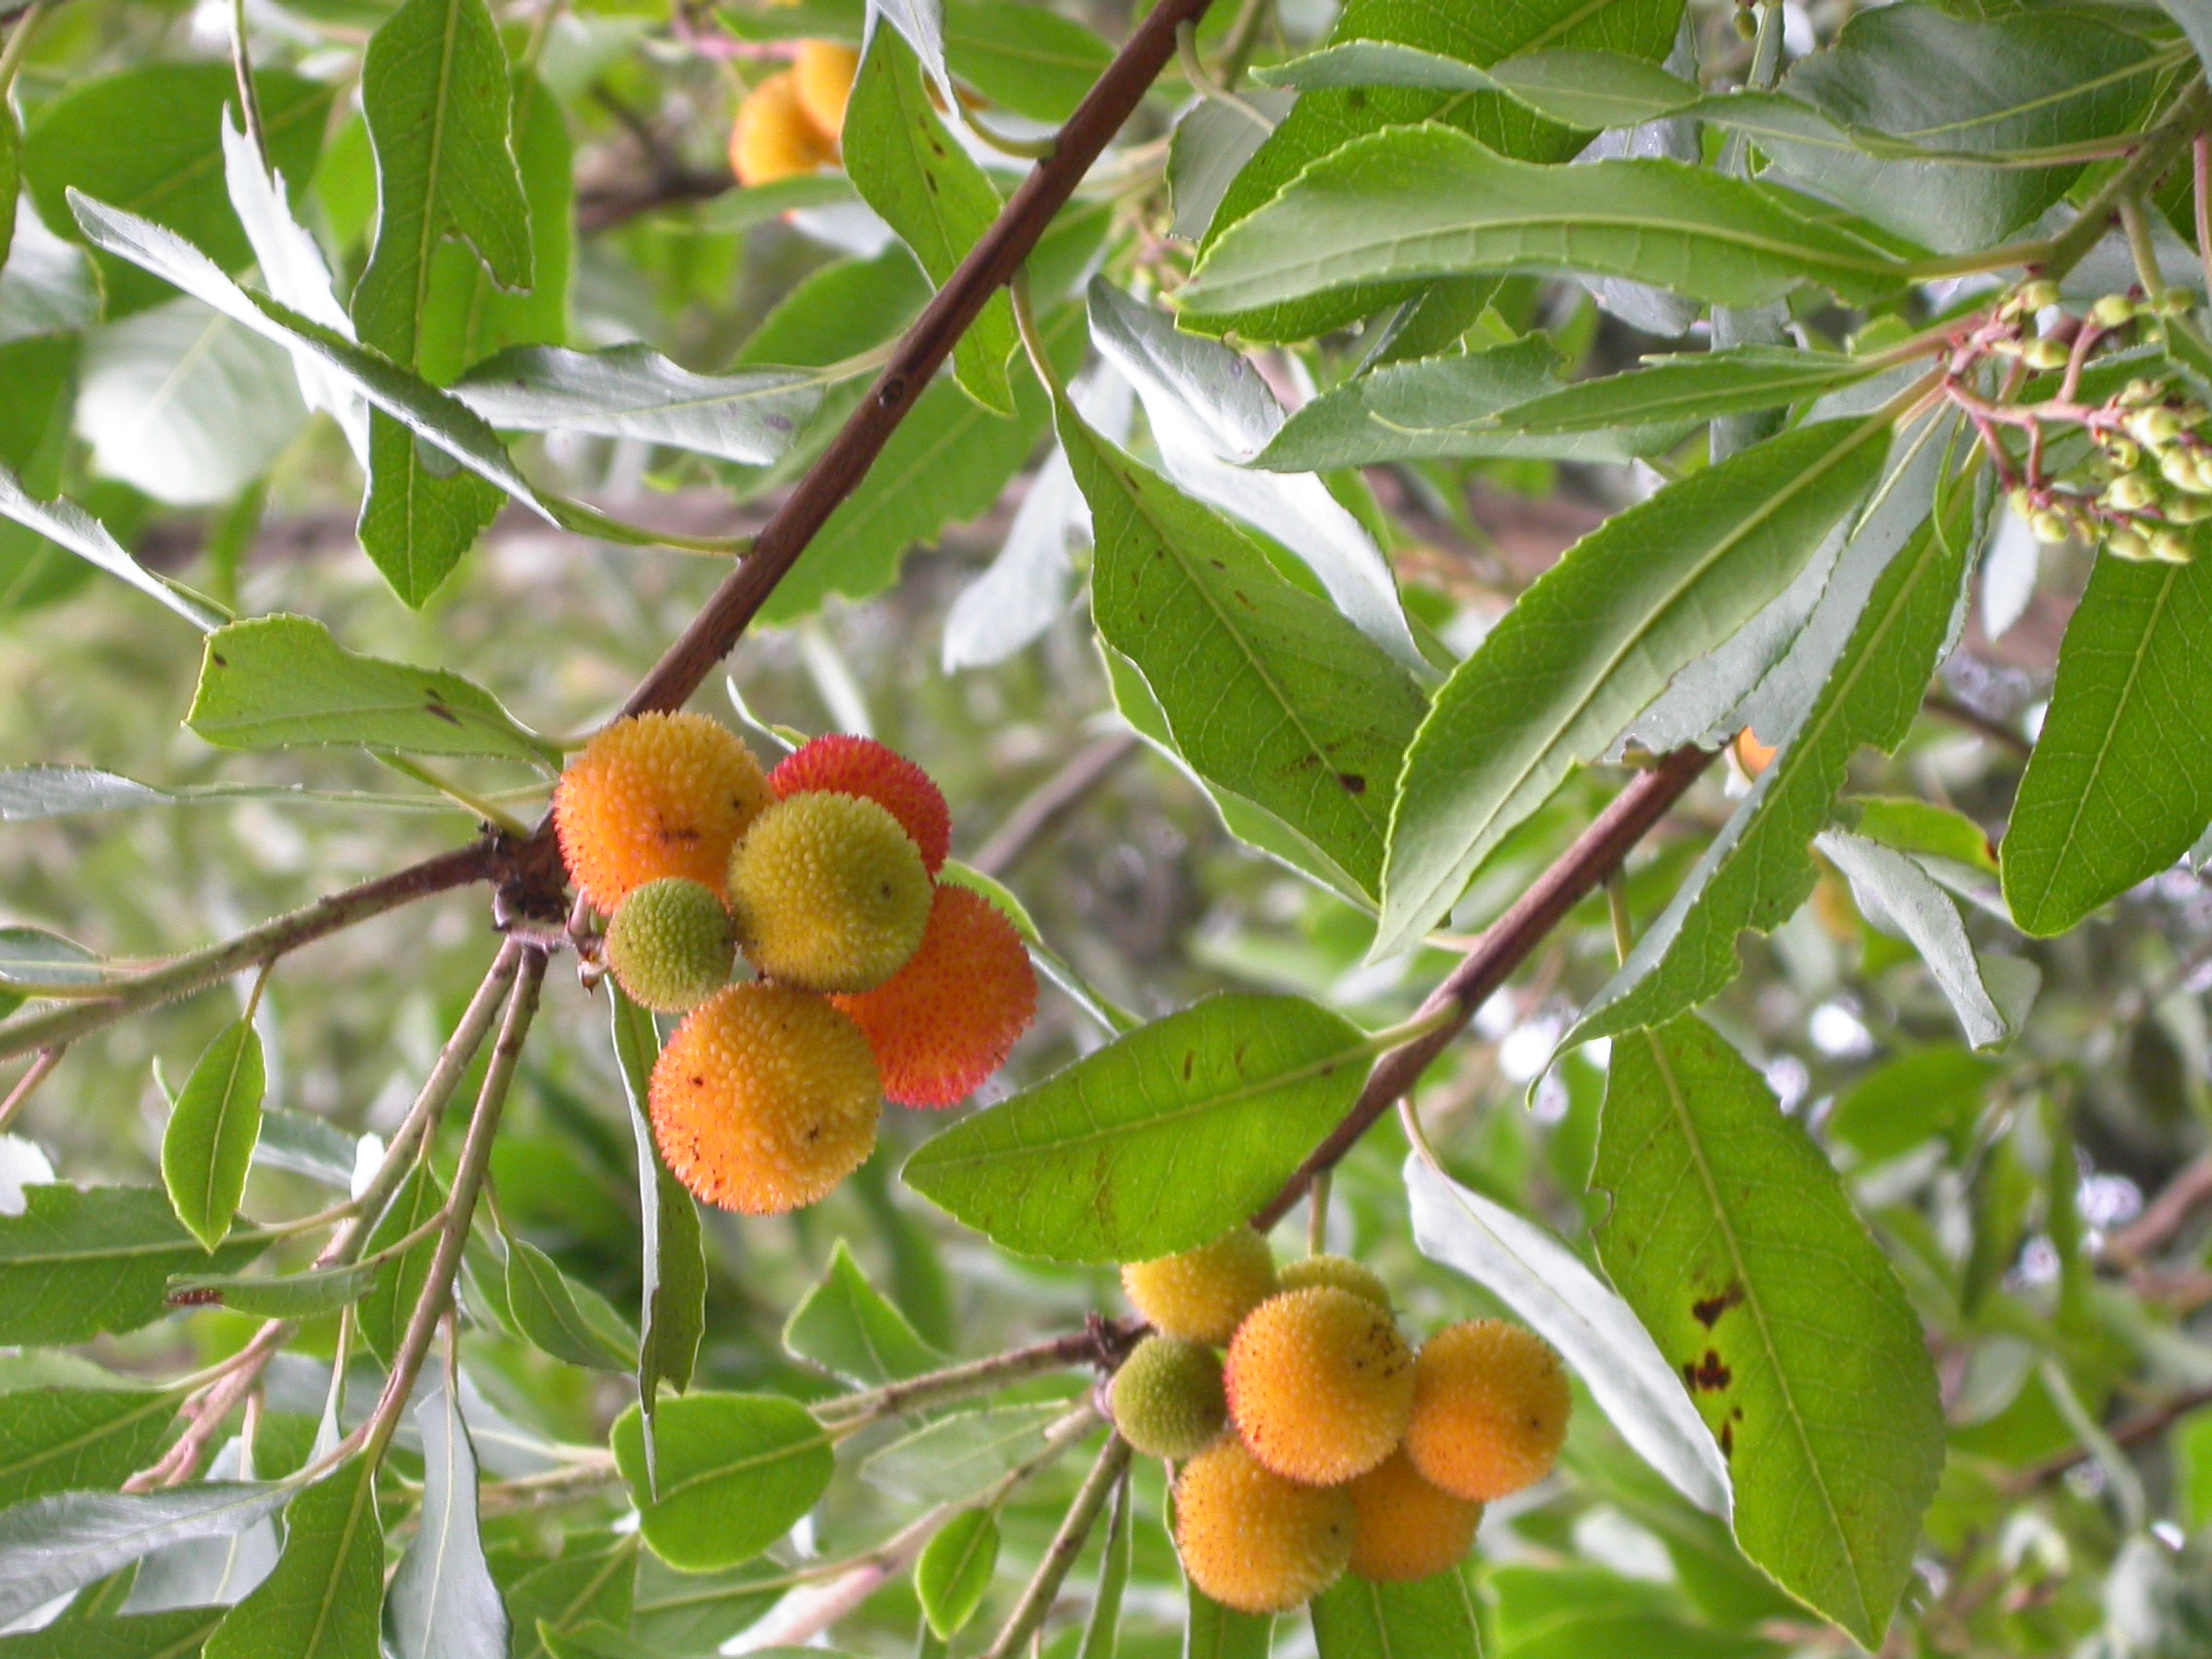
column 1319, row 1384
column 823, row 76
column 656, row 796
column 1202, row 1295
column 1491, row 1402
column 772, row 137
column 1752, row 755
column 829, row 894
column 669, row 944
column 1167, row 1400
column 1253, row 1541
column 764, row 1100
column 1405, row 1529
column 1339, row 1270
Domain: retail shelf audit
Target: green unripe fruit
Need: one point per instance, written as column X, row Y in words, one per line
column 2129, row 544
column 2114, row 311
column 1340, row 1272
column 1167, row 1398
column 2044, row 354
column 671, row 944
column 829, row 893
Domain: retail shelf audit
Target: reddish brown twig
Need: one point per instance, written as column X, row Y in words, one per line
column 2144, row 1425
column 2164, row 1216
column 1578, row 872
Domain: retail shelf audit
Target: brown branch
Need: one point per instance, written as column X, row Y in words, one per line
column 1054, row 800
column 1945, row 707
column 1577, row 872
column 2144, row 1425
column 2164, row 1216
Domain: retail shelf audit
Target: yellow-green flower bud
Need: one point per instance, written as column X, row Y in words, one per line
column 2178, row 467
column 2114, row 311
column 2186, row 509
column 2123, row 453
column 2131, row 492
column 2154, row 428
column 2044, row 354
column 2037, row 295
column 2174, row 302
column 2050, row 527
column 2023, row 502
column 2171, row 547
column 2129, row 544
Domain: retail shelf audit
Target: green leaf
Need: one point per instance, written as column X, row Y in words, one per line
column 955, row 1570
column 593, row 1582
column 209, row 1144
column 35, row 963
column 1032, row 61
column 913, row 172
column 1596, row 639
column 1212, row 143
column 2120, row 782
column 178, row 1635
column 1212, row 1631
column 467, row 314
column 65, row 1540
column 1550, row 1288
column 382, row 1313
column 566, row 1319
column 632, row 391
column 1692, row 387
column 950, row 1460
column 1326, row 120
column 78, row 1439
column 11, row 175
column 80, row 1261
column 321, row 1600
column 1159, row 1142
column 282, row 681
column 1757, row 870
column 149, row 139
column 69, row 526
column 306, row 1146
column 443, row 1604
column 1903, row 1102
column 1731, row 1237
column 696, row 1612
column 672, row 1313
column 1267, row 690
column 1985, row 87
column 1572, row 1613
column 1451, row 407
column 28, row 792
column 846, row 1326
column 736, row 1472
column 422, row 514
column 1924, row 829
column 1432, row 1618
column 1426, row 202
column 289, row 1295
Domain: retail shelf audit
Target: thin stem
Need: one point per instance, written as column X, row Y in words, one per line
column 1054, row 800
column 461, row 1206
column 275, row 938
column 2200, row 168
column 19, row 43
column 1241, row 40
column 1205, row 85
column 1596, row 854
column 2142, row 250
column 498, row 817
column 1033, row 338
column 1100, row 1344
column 1616, row 911
column 2161, row 146
column 249, row 100
column 1317, row 1216
column 26, row 1085
column 1028, row 1615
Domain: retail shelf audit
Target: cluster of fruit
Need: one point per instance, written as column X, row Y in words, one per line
column 873, row 979
column 1324, row 1442
column 790, row 124
column 2149, row 471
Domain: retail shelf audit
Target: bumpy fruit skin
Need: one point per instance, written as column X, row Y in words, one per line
column 1490, row 1401
column 1320, row 1385
column 828, row 893
column 671, row 944
column 841, row 764
column 656, row 796
column 764, row 1100
column 1167, row 1398
column 772, row 137
column 1341, row 1271
column 1202, row 1295
column 824, row 78
column 1253, row 1541
column 1406, row 1529
column 947, row 1020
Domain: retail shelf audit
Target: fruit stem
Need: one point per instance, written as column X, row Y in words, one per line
column 1099, row 1343
column 495, row 816
column 1318, row 1217
column 1083, row 1514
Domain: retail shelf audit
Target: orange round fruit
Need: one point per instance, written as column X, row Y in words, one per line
column 1491, row 1402
column 652, row 796
column 1253, row 1541
column 823, row 77
column 1403, row 1528
column 841, row 764
column 947, row 1020
column 828, row 893
column 764, row 1100
column 772, row 137
column 1202, row 1295
column 1320, row 1385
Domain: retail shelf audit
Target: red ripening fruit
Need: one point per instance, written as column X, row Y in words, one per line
column 947, row 1020
column 840, row 764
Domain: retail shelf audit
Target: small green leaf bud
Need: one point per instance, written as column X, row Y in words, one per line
column 1168, row 1399
column 2050, row 527
column 2114, row 311
column 2044, row 354
column 2129, row 544
column 2039, row 295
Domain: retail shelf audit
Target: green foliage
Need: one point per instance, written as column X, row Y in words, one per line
column 733, row 1472
column 81, row 1261
column 321, row 1600
column 955, row 1570
column 1428, row 1619
column 209, row 1141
